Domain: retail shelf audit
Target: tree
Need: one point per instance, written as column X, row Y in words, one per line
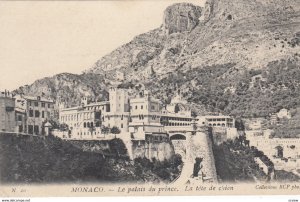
column 115, row 130
column 105, row 130
column 194, row 114
column 64, row 127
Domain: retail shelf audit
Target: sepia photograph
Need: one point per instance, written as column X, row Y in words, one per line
column 109, row 98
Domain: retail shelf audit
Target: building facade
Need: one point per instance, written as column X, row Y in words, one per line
column 145, row 114
column 119, row 113
column 216, row 121
column 7, row 112
column 85, row 121
column 136, row 116
column 32, row 114
column 177, row 115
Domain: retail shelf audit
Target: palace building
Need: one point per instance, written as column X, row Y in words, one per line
column 145, row 116
column 177, row 114
column 135, row 116
column 118, row 115
column 84, row 121
column 217, row 121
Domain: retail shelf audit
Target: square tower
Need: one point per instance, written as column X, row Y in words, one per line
column 119, row 100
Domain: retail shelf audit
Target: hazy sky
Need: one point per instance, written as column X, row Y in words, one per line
column 39, row 39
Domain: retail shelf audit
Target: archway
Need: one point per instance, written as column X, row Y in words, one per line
column 179, row 143
column 177, row 137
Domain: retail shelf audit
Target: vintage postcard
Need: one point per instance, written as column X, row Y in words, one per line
column 146, row 98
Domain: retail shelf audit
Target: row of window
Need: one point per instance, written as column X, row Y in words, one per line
column 88, row 133
column 223, row 124
column 33, row 129
column 36, row 114
column 36, row 104
column 140, row 116
column 176, row 124
column 95, row 108
column 76, row 117
column 175, row 119
column 142, row 107
column 98, row 124
column 221, row 119
column 88, row 124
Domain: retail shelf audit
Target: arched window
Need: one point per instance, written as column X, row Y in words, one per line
column 84, row 124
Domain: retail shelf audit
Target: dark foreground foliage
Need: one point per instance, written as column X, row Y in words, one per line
column 166, row 170
column 26, row 159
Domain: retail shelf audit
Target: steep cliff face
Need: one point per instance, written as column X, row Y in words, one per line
column 239, row 34
column 247, row 33
column 240, row 9
column 181, row 17
column 133, row 56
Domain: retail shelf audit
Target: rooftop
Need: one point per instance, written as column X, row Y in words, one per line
column 37, row 98
column 88, row 105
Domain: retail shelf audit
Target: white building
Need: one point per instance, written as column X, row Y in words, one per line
column 216, row 121
column 118, row 115
column 84, row 121
column 145, row 116
column 135, row 117
column 177, row 115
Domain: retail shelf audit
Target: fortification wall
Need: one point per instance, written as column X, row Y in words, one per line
column 160, row 150
column 201, row 147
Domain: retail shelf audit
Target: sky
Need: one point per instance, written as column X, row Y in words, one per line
column 42, row 38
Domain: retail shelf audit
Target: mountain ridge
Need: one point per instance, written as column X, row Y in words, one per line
column 249, row 35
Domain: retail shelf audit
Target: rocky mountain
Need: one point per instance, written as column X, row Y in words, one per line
column 68, row 88
column 247, row 33
column 211, row 54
